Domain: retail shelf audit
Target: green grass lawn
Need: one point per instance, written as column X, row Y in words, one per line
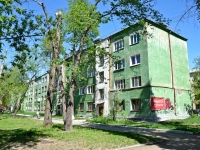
column 19, row 132
column 190, row 124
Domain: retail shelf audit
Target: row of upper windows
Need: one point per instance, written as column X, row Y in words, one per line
column 133, row 39
column 118, row 84
column 37, row 99
column 134, row 81
column 120, row 64
column 39, row 81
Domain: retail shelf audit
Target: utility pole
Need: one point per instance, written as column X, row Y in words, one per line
column 2, row 63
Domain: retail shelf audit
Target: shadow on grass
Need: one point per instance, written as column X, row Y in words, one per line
column 19, row 138
column 58, row 126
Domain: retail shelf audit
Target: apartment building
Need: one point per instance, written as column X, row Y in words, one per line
column 151, row 71
column 36, row 94
column 149, row 66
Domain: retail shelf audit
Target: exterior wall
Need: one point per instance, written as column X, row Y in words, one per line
column 85, row 99
column 99, row 104
column 36, row 94
column 163, row 69
column 102, row 103
column 130, row 71
column 169, row 70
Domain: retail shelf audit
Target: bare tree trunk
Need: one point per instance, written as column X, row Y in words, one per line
column 17, row 106
column 55, row 43
column 62, row 84
column 49, row 98
column 2, row 64
column 69, row 106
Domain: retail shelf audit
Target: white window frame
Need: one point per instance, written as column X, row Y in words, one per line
column 90, row 89
column 135, row 104
column 100, row 95
column 119, row 84
column 137, row 61
column 120, row 64
column 82, row 91
column 136, row 81
column 134, row 38
column 101, row 60
column 118, row 45
column 101, row 78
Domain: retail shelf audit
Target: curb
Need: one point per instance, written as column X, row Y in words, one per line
column 138, row 145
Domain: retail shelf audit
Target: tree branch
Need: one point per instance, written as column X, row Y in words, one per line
column 185, row 14
column 13, row 37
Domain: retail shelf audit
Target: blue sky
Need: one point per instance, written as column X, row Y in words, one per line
column 172, row 9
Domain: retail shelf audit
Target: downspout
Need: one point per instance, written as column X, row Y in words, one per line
column 109, row 75
column 172, row 71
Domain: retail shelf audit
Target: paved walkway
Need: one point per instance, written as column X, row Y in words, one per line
column 170, row 139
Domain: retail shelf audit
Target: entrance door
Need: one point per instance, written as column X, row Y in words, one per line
column 101, row 107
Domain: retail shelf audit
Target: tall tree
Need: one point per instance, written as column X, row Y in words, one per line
column 81, row 23
column 54, row 35
column 12, row 85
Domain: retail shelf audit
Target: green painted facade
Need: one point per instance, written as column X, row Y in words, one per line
column 84, row 99
column 36, row 94
column 163, row 69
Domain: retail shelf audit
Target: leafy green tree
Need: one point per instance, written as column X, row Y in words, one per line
column 81, row 23
column 196, row 82
column 12, row 85
column 17, row 27
column 116, row 105
column 53, row 33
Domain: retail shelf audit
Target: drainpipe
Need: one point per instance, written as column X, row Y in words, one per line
column 109, row 75
column 172, row 71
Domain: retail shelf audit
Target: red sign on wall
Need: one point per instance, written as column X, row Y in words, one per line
column 157, row 103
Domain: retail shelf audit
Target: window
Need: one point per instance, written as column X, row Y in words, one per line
column 135, row 104
column 101, row 93
column 81, row 107
column 120, row 64
column 90, row 106
column 122, row 105
column 45, row 78
column 101, row 77
column 135, row 60
column 136, row 81
column 119, row 45
column 134, row 38
column 90, row 72
column 101, row 60
column 120, row 84
column 82, row 91
column 89, row 89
